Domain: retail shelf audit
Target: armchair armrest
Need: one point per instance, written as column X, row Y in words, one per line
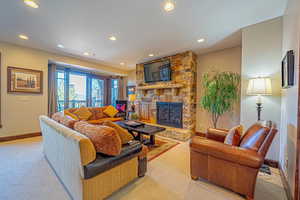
column 226, row 152
column 216, row 134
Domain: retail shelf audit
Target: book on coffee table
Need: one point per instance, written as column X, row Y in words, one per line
column 132, row 123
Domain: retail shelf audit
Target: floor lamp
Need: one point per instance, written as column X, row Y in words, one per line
column 259, row 86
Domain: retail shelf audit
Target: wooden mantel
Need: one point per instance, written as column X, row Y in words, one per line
column 157, row 88
column 160, row 86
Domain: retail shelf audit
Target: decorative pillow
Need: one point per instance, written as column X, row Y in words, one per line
column 105, row 139
column 68, row 121
column 121, row 107
column 83, row 113
column 97, row 113
column 111, row 111
column 72, row 115
column 124, row 134
column 57, row 116
column 234, row 136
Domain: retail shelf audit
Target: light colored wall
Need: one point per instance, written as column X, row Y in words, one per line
column 289, row 103
column 261, row 56
column 20, row 111
column 224, row 60
column 131, row 77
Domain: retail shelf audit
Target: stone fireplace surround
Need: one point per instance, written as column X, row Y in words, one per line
column 181, row 89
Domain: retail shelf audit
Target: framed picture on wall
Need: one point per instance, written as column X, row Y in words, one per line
column 20, row 80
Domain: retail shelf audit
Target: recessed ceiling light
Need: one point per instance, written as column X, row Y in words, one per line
column 60, row 46
column 151, row 54
column 201, row 40
column 86, row 54
column 31, row 3
column 112, row 38
column 24, row 37
column 169, row 5
column 122, row 63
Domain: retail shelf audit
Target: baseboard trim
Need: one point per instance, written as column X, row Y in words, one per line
column 272, row 163
column 17, row 137
column 285, row 184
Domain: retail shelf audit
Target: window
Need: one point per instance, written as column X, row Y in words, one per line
column 76, row 89
column 114, row 91
column 97, row 92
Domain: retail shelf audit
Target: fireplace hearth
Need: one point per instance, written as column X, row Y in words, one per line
column 169, row 114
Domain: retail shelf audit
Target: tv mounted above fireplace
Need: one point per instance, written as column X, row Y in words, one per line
column 157, row 71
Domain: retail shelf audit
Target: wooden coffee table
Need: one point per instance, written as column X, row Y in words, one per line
column 143, row 129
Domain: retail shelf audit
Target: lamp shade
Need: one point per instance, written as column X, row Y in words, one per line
column 132, row 97
column 259, row 86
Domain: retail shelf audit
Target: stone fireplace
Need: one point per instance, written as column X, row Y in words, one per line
column 170, row 104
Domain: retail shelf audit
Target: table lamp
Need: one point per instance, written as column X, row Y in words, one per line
column 131, row 98
column 259, row 86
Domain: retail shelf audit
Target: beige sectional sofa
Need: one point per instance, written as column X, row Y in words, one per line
column 71, row 154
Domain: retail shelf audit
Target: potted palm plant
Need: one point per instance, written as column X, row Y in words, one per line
column 220, row 92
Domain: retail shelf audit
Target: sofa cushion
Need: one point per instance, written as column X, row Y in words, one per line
column 83, row 113
column 123, row 133
column 254, row 137
column 234, row 136
column 100, row 121
column 104, row 162
column 97, row 113
column 105, row 139
column 110, row 111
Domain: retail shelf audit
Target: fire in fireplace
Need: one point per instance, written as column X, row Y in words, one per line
column 169, row 114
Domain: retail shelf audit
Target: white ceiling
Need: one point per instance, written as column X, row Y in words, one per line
column 141, row 26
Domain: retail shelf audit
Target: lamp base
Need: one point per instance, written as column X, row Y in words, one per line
column 259, row 108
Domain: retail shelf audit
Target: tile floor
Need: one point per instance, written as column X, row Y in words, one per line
column 25, row 175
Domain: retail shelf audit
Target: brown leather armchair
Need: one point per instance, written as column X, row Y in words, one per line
column 232, row 167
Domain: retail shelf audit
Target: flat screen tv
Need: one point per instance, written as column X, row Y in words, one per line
column 157, row 71
column 287, row 70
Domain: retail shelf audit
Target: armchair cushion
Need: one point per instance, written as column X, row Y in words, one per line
column 254, row 137
column 216, row 134
column 234, row 136
column 226, row 152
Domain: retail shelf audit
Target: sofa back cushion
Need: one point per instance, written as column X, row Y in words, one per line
column 97, row 113
column 105, row 139
column 254, row 137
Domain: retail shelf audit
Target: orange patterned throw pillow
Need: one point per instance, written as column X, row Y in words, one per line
column 110, row 111
column 124, row 134
column 105, row 139
column 234, row 136
column 64, row 119
column 83, row 113
column 72, row 115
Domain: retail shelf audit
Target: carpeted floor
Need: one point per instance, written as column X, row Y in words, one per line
column 26, row 175
column 161, row 146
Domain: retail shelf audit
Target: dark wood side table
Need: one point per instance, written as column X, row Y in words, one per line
column 143, row 129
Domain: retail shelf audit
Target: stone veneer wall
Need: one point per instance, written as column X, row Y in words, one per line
column 184, row 66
